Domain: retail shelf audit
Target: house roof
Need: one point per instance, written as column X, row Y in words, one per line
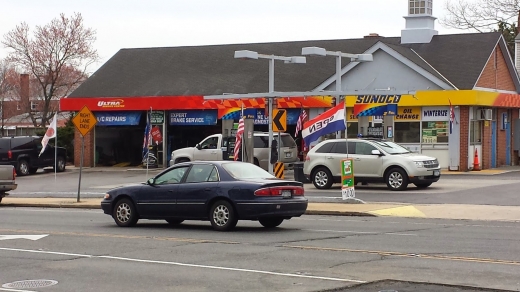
column 212, row 70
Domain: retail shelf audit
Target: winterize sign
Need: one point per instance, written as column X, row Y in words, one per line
column 437, row 113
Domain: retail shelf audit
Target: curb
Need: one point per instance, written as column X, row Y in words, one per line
column 98, row 207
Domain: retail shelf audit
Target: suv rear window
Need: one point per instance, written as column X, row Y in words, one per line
column 288, row 141
column 22, row 143
column 5, row 143
column 263, row 141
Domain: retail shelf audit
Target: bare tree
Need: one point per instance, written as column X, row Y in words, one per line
column 480, row 15
column 57, row 56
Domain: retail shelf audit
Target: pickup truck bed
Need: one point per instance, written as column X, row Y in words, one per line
column 7, row 180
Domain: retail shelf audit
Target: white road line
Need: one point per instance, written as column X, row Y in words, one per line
column 188, row 265
column 15, row 290
column 359, row 232
column 47, row 252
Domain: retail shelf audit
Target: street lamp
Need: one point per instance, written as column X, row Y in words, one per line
column 316, row 51
column 245, row 54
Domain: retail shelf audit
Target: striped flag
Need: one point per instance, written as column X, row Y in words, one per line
column 51, row 133
column 238, row 139
column 301, row 120
column 147, row 135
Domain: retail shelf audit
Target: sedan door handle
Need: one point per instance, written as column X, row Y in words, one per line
column 330, row 157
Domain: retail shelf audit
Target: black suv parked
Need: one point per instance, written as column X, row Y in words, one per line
column 22, row 153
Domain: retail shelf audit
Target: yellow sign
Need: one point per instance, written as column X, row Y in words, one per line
column 278, row 170
column 408, row 113
column 84, row 121
column 279, row 120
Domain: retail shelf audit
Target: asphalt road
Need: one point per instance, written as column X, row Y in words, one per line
column 500, row 190
column 84, row 250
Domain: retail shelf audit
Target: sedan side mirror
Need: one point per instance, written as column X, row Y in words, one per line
column 151, row 181
column 377, row 152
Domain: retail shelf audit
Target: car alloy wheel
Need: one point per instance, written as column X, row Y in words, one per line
column 125, row 213
column 60, row 163
column 397, row 180
column 222, row 216
column 23, row 168
column 322, row 178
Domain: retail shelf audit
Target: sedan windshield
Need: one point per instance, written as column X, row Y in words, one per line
column 241, row 170
column 391, row 147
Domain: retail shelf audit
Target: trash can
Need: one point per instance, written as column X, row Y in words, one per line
column 298, row 173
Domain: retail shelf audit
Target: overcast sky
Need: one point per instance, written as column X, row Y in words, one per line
column 163, row 23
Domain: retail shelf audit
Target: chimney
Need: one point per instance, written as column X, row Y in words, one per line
column 372, row 35
column 24, row 89
column 420, row 23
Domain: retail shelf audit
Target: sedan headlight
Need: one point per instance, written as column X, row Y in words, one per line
column 419, row 163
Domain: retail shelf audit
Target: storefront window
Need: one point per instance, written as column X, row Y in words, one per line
column 352, row 130
column 407, row 132
column 435, row 132
column 475, row 132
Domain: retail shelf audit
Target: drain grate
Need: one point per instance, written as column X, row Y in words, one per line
column 30, row 284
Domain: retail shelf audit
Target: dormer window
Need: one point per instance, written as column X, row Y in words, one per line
column 420, row 7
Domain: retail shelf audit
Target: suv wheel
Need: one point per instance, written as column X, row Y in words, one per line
column 60, row 163
column 397, row 179
column 322, row 178
column 22, row 168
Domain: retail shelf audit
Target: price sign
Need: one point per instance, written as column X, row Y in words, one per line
column 348, row 192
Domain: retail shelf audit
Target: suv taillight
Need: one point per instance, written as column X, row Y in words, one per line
column 9, row 154
column 14, row 173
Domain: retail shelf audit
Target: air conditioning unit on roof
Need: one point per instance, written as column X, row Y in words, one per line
column 484, row 114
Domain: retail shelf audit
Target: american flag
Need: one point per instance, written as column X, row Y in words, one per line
column 299, row 124
column 238, row 139
column 452, row 117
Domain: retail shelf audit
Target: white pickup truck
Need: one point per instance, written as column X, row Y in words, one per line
column 216, row 147
column 7, row 180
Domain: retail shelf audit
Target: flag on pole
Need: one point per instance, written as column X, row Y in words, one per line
column 51, row 133
column 147, row 135
column 328, row 122
column 301, row 120
column 452, row 117
column 238, row 138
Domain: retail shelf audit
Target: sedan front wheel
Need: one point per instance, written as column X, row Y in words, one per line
column 222, row 216
column 124, row 213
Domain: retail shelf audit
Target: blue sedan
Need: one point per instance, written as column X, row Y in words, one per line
column 222, row 192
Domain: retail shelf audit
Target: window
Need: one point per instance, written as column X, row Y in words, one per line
column 341, row 148
column 202, row 173
column 364, row 148
column 210, row 143
column 475, row 132
column 407, row 132
column 325, row 148
column 261, row 142
column 435, row 132
column 173, row 176
column 33, row 106
column 391, row 147
column 288, row 141
column 420, row 7
column 240, row 170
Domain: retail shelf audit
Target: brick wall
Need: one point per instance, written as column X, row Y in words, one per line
column 496, row 76
column 464, row 140
column 88, row 158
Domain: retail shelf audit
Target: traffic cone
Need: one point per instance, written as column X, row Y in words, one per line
column 476, row 165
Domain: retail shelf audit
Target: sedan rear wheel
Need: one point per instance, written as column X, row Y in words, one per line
column 322, row 178
column 222, row 216
column 397, row 179
column 270, row 222
column 124, row 213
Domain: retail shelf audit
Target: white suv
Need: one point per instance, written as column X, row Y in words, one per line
column 374, row 161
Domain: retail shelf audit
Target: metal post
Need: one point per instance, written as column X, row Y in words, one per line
column 338, row 85
column 81, row 165
column 56, row 153
column 271, row 89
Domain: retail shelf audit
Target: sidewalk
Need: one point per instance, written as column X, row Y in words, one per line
column 440, row 211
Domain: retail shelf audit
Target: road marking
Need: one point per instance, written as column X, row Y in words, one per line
column 46, row 252
column 404, row 211
column 15, row 290
column 360, row 232
column 189, row 265
column 408, row 255
column 30, row 237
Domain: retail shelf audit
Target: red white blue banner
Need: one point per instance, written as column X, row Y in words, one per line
column 328, row 122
